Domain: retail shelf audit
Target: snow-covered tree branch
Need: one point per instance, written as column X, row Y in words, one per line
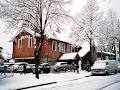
column 38, row 15
column 88, row 22
column 109, row 28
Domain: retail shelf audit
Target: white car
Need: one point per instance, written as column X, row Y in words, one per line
column 105, row 67
column 60, row 66
column 118, row 67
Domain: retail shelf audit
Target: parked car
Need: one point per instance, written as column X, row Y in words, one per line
column 42, row 68
column 17, row 66
column 45, row 67
column 2, row 68
column 24, row 67
column 118, row 67
column 9, row 67
column 60, row 66
column 105, row 67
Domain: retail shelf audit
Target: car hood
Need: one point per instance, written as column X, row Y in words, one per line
column 98, row 67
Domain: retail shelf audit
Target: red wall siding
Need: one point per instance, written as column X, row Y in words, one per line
column 25, row 51
column 55, row 54
column 47, row 49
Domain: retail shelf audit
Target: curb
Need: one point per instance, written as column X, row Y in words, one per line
column 34, row 86
column 79, row 78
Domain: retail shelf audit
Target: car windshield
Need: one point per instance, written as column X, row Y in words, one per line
column 100, row 64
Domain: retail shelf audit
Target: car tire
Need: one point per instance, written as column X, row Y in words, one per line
column 15, row 70
column 106, row 73
column 115, row 72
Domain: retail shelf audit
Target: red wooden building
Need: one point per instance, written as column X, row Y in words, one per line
column 24, row 46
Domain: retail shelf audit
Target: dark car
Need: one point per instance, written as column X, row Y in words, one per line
column 9, row 67
column 24, row 67
column 2, row 68
column 45, row 67
column 42, row 68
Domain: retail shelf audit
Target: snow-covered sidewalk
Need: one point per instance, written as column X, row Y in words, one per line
column 27, row 80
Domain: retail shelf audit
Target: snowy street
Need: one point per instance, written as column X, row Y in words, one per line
column 61, row 81
column 111, row 82
column 19, row 81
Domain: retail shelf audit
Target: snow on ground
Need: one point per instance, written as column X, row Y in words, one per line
column 25, row 80
column 110, row 82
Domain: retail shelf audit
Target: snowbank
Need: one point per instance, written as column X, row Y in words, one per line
column 25, row 80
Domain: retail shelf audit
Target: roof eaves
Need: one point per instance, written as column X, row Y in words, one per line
column 24, row 29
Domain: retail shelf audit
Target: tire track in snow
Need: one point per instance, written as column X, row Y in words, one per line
column 108, row 85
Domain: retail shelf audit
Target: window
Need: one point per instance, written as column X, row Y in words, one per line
column 19, row 43
column 30, row 42
column 71, row 48
column 117, row 46
column 54, row 45
column 62, row 47
column 68, row 48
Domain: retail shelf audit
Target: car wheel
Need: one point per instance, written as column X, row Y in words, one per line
column 58, row 70
column 115, row 72
column 106, row 73
column 15, row 70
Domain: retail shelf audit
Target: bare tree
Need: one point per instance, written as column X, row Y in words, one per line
column 41, row 15
column 110, row 30
column 87, row 24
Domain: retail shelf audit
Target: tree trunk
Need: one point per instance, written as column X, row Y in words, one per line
column 101, row 55
column 119, row 51
column 91, row 51
column 37, row 62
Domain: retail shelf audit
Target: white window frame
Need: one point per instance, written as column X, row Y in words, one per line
column 30, row 41
column 71, row 48
column 55, row 45
column 68, row 48
column 19, row 43
column 62, row 47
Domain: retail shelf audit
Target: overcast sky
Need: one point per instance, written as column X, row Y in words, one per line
column 76, row 7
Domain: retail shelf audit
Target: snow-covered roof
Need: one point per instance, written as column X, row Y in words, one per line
column 56, row 36
column 49, row 34
column 108, row 53
column 85, row 49
column 68, row 56
column 27, row 30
